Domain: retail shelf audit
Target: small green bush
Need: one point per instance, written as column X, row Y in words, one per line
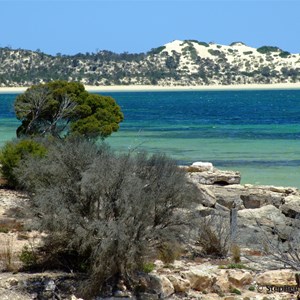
column 214, row 52
column 235, row 291
column 148, row 267
column 157, row 50
column 284, row 54
column 13, row 152
column 28, row 257
column 267, row 49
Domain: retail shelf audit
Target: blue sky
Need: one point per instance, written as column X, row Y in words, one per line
column 72, row 26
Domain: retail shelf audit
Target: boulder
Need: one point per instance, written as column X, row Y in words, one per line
column 291, row 206
column 180, row 284
column 216, row 176
column 205, row 196
column 267, row 215
column 257, row 225
column 239, row 278
column 276, row 277
column 246, row 196
column 203, row 166
column 228, row 196
column 222, row 284
column 161, row 285
column 200, row 279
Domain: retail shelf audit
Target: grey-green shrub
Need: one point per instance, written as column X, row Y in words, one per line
column 116, row 210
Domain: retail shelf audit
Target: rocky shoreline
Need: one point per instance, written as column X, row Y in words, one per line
column 264, row 213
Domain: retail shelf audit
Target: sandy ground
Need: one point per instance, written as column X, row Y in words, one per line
column 141, row 88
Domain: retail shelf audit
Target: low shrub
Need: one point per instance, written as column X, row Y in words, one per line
column 236, row 253
column 13, row 152
column 214, row 236
column 169, row 252
column 235, row 291
column 28, row 257
column 106, row 214
column 148, row 267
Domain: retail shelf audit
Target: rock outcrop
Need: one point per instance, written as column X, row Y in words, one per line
column 262, row 210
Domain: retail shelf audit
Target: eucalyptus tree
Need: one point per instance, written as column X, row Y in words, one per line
column 61, row 108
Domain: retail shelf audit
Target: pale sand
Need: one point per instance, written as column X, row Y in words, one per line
column 153, row 88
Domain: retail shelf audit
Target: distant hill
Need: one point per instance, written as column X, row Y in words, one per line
column 187, row 63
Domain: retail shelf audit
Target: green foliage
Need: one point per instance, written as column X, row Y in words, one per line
column 28, row 257
column 284, row 54
column 248, row 52
column 251, row 288
column 234, row 43
column 199, row 43
column 13, row 152
column 214, row 52
column 267, row 49
column 234, row 290
column 60, row 107
column 191, row 50
column 157, row 50
column 148, row 267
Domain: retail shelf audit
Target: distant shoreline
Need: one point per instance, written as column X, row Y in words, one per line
column 155, row 88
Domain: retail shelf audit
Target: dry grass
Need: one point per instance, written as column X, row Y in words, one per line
column 7, row 256
column 10, row 225
column 252, row 252
column 3, row 182
column 235, row 253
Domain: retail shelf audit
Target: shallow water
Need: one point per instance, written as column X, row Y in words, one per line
column 255, row 132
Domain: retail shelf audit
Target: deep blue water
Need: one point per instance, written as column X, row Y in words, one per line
column 256, row 132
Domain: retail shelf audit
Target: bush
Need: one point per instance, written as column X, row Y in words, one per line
column 148, row 267
column 28, row 257
column 114, row 210
column 214, row 236
column 169, row 252
column 284, row 54
column 267, row 49
column 13, row 152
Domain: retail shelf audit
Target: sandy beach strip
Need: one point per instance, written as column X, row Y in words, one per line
column 156, row 88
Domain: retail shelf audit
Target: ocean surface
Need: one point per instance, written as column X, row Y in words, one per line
column 254, row 132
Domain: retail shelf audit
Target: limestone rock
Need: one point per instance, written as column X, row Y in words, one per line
column 246, row 196
column 161, row 285
column 216, row 176
column 200, row 280
column 180, row 284
column 291, row 206
column 206, row 196
column 203, row 166
column 239, row 278
column 255, row 225
column 228, row 196
column 276, row 277
column 267, row 215
column 222, row 284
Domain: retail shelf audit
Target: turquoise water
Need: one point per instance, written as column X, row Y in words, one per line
column 255, row 132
